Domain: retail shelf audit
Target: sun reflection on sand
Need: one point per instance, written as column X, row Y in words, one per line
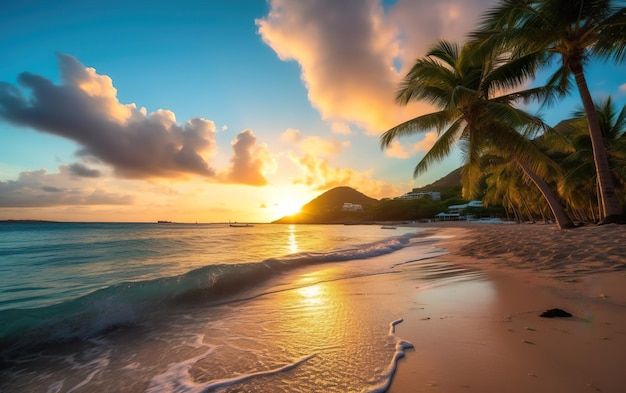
column 313, row 295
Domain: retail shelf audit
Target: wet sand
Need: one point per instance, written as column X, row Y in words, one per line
column 486, row 334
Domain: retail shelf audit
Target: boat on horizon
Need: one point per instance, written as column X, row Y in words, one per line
column 237, row 225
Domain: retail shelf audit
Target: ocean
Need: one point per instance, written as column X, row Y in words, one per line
column 129, row 307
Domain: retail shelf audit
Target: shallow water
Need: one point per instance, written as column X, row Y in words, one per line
column 276, row 309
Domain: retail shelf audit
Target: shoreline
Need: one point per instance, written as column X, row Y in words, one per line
column 494, row 340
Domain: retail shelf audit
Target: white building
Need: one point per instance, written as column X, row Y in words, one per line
column 351, row 207
column 455, row 211
column 435, row 195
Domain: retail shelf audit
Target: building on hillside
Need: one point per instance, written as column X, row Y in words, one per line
column 455, row 211
column 414, row 194
column 351, row 207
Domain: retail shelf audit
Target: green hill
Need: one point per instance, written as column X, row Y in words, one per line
column 334, row 199
column 327, row 206
column 452, row 179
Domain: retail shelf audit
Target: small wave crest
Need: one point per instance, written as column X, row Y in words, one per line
column 127, row 303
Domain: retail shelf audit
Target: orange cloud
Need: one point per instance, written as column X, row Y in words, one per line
column 425, row 144
column 250, row 161
column 341, row 128
column 346, row 56
column 313, row 145
column 396, row 150
column 353, row 53
column 319, row 174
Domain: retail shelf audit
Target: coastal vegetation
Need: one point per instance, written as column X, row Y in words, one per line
column 475, row 90
column 328, row 207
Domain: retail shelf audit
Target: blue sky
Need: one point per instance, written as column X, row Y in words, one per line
column 274, row 102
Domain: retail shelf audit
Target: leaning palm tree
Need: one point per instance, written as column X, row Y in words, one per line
column 579, row 181
column 505, row 181
column 574, row 31
column 464, row 87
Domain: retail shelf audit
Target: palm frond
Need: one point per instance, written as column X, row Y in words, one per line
column 436, row 121
column 440, row 149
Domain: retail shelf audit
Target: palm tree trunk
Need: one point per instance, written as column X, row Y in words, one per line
column 528, row 212
column 612, row 211
column 506, row 211
column 562, row 220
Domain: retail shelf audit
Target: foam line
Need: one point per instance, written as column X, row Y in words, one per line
column 220, row 383
column 177, row 378
column 387, row 375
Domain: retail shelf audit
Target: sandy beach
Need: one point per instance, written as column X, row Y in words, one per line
column 486, row 334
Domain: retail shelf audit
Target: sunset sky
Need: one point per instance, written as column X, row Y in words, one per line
column 212, row 111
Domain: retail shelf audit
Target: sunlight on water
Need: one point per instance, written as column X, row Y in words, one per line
column 292, row 242
column 316, row 319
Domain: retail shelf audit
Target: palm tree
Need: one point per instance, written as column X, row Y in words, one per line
column 462, row 84
column 574, row 31
column 506, row 183
column 579, row 184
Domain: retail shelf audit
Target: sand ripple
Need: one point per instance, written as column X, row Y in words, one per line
column 561, row 254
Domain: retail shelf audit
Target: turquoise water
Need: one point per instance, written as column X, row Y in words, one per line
column 90, row 307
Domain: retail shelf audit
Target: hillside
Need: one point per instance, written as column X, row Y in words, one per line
column 334, row 199
column 452, row 179
column 328, row 205
column 326, row 208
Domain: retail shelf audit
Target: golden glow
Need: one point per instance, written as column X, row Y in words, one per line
column 286, row 207
column 313, row 295
column 292, row 242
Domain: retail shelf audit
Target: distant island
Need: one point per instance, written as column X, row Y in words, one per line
column 26, row 221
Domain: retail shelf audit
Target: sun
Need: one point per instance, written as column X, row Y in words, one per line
column 285, row 201
column 286, row 207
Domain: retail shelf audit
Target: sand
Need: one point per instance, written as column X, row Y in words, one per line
column 486, row 334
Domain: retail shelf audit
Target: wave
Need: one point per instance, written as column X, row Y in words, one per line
column 127, row 303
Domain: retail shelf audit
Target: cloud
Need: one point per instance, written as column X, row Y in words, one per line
column 85, row 109
column 396, row 150
column 353, row 53
column 250, row 161
column 425, row 144
column 422, row 22
column 318, row 146
column 312, row 160
column 341, row 128
column 78, row 169
column 319, row 174
column 35, row 189
column 291, row 135
column 313, row 145
column 345, row 50
column 622, row 88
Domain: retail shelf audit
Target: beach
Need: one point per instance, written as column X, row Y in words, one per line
column 486, row 334
column 436, row 307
